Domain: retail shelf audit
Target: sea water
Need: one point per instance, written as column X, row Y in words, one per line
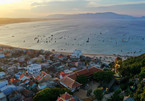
column 100, row 36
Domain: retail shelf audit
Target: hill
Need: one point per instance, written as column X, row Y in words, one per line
column 106, row 15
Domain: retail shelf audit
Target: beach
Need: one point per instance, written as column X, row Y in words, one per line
column 105, row 58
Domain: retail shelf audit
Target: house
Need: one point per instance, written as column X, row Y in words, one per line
column 27, row 95
column 2, row 97
column 23, row 77
column 70, row 82
column 15, row 81
column 2, row 55
column 9, row 89
column 2, row 74
column 62, row 75
column 3, row 83
column 31, row 85
column 15, row 96
column 34, row 68
column 48, row 84
column 43, row 76
column 66, row 97
column 86, row 72
column 77, row 53
column 42, row 86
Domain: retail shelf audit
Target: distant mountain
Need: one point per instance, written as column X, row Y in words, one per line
column 106, row 15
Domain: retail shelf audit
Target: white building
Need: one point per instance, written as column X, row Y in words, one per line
column 34, row 68
column 77, row 53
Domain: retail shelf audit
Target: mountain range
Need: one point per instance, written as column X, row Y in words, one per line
column 106, row 15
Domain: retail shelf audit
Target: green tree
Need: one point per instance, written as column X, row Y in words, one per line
column 1, row 70
column 98, row 94
column 139, row 94
column 142, row 75
column 116, row 96
column 82, row 79
column 142, row 96
column 133, row 66
column 104, row 76
column 49, row 94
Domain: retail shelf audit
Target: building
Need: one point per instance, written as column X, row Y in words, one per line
column 34, row 68
column 42, row 86
column 2, row 97
column 15, row 96
column 62, row 75
column 2, row 55
column 2, row 74
column 15, row 81
column 24, row 77
column 9, row 89
column 70, row 82
column 3, row 83
column 77, row 53
column 42, row 77
column 66, row 97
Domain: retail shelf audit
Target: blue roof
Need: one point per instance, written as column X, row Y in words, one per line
column 8, row 91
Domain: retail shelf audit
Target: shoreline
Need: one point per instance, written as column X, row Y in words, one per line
column 69, row 53
column 7, row 21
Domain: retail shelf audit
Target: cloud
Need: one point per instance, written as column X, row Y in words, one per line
column 36, row 8
column 98, row 3
column 59, row 6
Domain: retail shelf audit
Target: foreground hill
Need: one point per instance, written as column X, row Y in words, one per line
column 133, row 66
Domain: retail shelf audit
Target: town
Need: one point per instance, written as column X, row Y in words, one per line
column 25, row 73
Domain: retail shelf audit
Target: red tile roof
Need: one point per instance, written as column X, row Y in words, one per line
column 23, row 76
column 63, row 74
column 13, row 80
column 70, row 82
column 40, row 76
column 86, row 72
column 65, row 97
column 31, row 83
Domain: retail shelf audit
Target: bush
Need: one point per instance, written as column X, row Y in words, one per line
column 142, row 75
column 105, row 76
column 116, row 96
column 124, row 86
column 82, row 79
column 98, row 94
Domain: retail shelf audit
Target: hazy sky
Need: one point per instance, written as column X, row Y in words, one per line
column 38, row 8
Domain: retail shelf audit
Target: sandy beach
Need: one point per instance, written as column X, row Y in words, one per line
column 105, row 58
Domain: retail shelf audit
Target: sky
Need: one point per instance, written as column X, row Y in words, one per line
column 42, row 8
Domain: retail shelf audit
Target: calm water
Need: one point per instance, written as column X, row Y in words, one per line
column 90, row 36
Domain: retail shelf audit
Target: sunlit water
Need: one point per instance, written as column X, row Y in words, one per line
column 90, row 36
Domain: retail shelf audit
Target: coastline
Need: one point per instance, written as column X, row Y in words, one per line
column 6, row 21
column 69, row 53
